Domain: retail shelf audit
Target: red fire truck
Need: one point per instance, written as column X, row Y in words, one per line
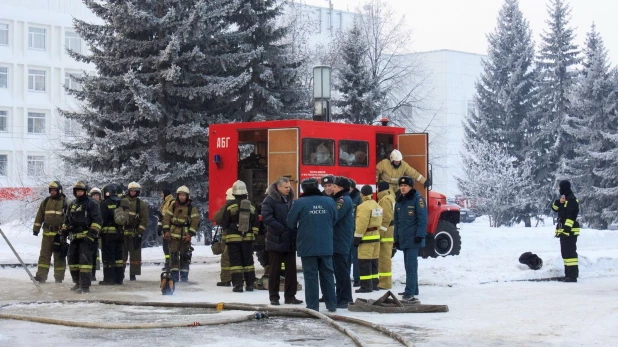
column 258, row 153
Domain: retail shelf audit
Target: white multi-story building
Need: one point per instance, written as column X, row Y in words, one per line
column 34, row 67
column 451, row 78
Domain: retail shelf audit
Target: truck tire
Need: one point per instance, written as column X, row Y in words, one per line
column 446, row 240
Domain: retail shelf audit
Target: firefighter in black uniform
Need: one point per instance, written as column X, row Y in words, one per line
column 240, row 243
column 568, row 229
column 82, row 224
column 112, row 238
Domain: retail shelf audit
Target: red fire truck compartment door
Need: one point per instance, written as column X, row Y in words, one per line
column 283, row 156
column 415, row 151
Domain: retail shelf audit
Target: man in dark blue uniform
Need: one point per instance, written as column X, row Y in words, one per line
column 311, row 218
column 410, row 223
column 343, row 235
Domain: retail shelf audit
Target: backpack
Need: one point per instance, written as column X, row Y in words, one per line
column 244, row 216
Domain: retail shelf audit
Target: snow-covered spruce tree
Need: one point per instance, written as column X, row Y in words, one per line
column 505, row 96
column 164, row 71
column 499, row 182
column 552, row 146
column 594, row 125
column 273, row 90
column 360, row 97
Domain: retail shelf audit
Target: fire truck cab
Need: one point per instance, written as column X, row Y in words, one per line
column 258, row 153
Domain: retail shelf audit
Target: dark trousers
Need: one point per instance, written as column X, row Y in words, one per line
column 166, row 252
column 343, row 288
column 241, row 263
column 80, row 261
column 368, row 273
column 275, row 260
column 410, row 259
column 568, row 248
column 354, row 264
column 111, row 251
column 319, row 270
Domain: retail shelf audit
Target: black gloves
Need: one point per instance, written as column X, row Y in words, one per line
column 395, row 246
column 35, row 233
column 393, row 253
column 427, row 183
column 418, row 239
column 357, row 241
column 160, row 231
column 92, row 234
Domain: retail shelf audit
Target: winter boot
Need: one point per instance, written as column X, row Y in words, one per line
column 132, row 278
column 249, row 288
column 184, row 276
column 83, row 290
column 75, row 287
column 39, row 279
column 175, row 276
column 224, row 284
column 237, row 289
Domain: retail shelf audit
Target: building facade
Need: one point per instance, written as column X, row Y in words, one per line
column 34, row 68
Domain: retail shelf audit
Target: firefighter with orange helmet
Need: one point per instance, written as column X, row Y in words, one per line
column 389, row 170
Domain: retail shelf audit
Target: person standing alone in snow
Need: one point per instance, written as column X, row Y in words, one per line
column 568, row 229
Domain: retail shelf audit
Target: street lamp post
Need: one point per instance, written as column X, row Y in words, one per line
column 321, row 93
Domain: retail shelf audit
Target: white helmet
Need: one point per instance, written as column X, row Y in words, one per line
column 228, row 194
column 239, row 188
column 95, row 190
column 183, row 189
column 396, row 155
column 134, row 186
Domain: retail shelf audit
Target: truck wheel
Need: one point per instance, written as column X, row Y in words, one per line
column 447, row 240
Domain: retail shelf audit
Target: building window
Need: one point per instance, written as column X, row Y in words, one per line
column 4, row 77
column 353, row 153
column 4, row 34
column 36, row 80
column 70, row 82
column 36, row 123
column 71, row 127
column 36, row 165
column 72, row 41
column 3, row 120
column 4, row 161
column 36, row 38
column 318, row 152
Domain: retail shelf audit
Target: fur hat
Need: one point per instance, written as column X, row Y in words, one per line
column 328, row 179
column 406, row 180
column 342, row 182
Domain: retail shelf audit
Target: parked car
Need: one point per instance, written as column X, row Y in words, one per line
column 466, row 215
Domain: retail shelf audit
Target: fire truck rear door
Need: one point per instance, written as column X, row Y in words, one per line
column 414, row 149
column 283, row 156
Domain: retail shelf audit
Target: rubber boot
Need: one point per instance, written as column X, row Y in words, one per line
column 118, row 275
column 175, row 276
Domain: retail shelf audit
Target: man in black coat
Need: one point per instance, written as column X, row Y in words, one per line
column 280, row 241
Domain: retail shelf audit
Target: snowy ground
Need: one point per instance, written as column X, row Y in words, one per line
column 485, row 309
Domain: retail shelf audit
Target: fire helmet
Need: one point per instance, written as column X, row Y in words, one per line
column 239, row 188
column 396, row 155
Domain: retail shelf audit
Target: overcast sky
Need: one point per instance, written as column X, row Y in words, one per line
column 462, row 24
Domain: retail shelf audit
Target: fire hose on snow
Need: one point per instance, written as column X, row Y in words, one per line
column 260, row 313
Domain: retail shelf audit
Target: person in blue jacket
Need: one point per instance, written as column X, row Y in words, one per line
column 343, row 237
column 410, row 223
column 311, row 218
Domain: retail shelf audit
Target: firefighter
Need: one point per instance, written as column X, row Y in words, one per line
column 343, row 232
column 95, row 195
column 179, row 225
column 225, row 275
column 82, row 224
column 240, row 220
column 568, row 229
column 312, row 218
column 356, row 200
column 410, row 222
column 390, row 170
column 166, row 196
column 133, row 232
column 112, row 237
column 386, row 200
column 51, row 215
column 328, row 185
column 367, row 239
